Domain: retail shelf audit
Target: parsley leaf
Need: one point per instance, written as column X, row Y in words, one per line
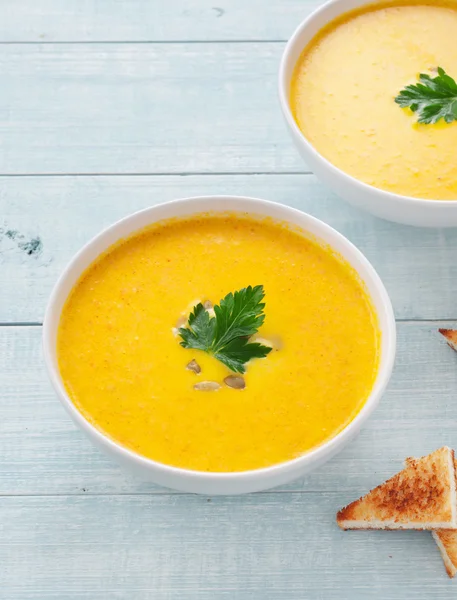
column 226, row 335
column 433, row 98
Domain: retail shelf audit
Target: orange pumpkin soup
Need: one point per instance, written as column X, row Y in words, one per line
column 125, row 370
column 344, row 88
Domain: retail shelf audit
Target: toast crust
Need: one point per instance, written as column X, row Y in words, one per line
column 447, row 543
column 446, row 540
column 450, row 336
column 421, row 496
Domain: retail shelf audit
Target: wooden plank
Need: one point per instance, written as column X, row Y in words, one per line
column 259, row 547
column 417, row 266
column 133, row 108
column 145, row 21
column 41, row 452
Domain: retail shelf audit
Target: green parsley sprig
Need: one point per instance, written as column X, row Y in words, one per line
column 226, row 335
column 433, row 98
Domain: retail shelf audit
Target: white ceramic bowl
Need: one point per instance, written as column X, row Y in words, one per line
column 387, row 205
column 220, row 483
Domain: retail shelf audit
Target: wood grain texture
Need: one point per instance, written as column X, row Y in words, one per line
column 417, row 266
column 41, row 452
column 142, row 108
column 143, row 21
column 73, row 526
column 267, row 546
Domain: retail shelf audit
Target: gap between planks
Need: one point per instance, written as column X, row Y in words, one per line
column 163, row 492
column 403, row 321
column 161, row 174
column 140, row 42
column 22, row 324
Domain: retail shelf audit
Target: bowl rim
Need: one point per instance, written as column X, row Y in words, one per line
column 366, row 271
column 283, row 90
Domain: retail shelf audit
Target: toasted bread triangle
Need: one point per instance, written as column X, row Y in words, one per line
column 421, row 496
column 451, row 337
column 446, row 540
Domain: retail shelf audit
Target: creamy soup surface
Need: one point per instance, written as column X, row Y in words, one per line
column 343, row 90
column 125, row 370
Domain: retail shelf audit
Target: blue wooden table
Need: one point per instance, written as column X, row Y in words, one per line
column 109, row 106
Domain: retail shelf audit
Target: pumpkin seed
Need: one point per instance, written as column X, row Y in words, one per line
column 207, row 386
column 274, row 342
column 235, row 381
column 179, row 323
column 194, row 366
